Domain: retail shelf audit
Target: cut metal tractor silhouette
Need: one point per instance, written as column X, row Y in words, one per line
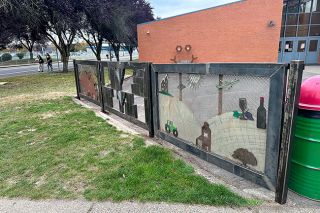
column 171, row 128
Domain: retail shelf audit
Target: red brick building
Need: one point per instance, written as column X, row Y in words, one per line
column 244, row 31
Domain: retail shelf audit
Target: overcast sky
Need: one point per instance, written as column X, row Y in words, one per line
column 168, row 8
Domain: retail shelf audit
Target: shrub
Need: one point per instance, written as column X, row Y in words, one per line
column 20, row 55
column 6, row 57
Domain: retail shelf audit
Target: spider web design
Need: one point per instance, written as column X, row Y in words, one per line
column 194, row 81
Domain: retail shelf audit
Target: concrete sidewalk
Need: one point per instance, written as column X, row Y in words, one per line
column 81, row 206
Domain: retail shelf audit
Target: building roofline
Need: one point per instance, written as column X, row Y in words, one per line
column 209, row 8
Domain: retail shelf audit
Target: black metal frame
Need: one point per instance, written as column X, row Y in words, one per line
column 276, row 73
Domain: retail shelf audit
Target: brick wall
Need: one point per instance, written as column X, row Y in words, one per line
column 237, row 32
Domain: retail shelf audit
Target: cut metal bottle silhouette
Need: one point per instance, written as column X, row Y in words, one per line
column 261, row 115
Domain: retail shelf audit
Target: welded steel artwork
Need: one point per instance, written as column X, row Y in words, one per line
column 245, row 157
column 204, row 140
column 88, row 81
column 261, row 115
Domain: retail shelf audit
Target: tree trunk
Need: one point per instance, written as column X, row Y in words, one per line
column 65, row 61
column 116, row 52
column 130, row 49
column 31, row 55
column 130, row 53
column 99, row 50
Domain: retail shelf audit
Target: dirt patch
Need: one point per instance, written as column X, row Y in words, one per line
column 41, row 181
column 124, row 136
column 75, row 185
column 12, row 181
column 27, row 130
column 48, row 115
column 104, row 153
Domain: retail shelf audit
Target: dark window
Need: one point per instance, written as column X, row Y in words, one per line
column 284, row 7
column 282, row 32
column 292, row 19
column 301, row 46
column 315, row 18
column 303, row 30
column 313, row 46
column 293, row 6
column 304, row 18
column 289, row 46
column 291, row 31
column 280, row 43
column 305, row 6
column 316, row 5
column 315, row 30
column 283, row 22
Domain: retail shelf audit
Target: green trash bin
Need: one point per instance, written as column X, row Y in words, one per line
column 305, row 159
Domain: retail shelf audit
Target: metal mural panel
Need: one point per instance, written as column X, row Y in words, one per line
column 128, row 92
column 227, row 114
column 88, row 81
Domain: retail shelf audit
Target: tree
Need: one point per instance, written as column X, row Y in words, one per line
column 6, row 32
column 141, row 12
column 28, row 38
column 59, row 24
column 20, row 55
column 95, row 23
column 118, row 31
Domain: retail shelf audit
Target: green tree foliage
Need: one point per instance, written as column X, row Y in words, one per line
column 96, row 21
column 20, row 55
column 6, row 57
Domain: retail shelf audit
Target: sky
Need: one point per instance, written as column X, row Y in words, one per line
column 168, row 8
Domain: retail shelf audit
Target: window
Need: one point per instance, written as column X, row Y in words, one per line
column 291, row 31
column 315, row 30
column 303, row 30
column 283, row 21
column 316, row 5
column 284, row 7
column 282, row 32
column 305, row 6
column 289, row 46
column 280, row 43
column 293, row 6
column 304, row 18
column 313, row 46
column 301, row 46
column 315, row 18
column 292, row 19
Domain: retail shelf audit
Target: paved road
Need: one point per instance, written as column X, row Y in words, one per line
column 33, row 69
column 26, row 70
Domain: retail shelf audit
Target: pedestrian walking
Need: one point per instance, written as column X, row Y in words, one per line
column 41, row 62
column 49, row 62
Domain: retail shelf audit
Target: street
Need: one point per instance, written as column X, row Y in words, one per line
column 26, row 70
column 32, row 69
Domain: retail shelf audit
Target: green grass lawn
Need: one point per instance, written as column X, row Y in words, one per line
column 52, row 148
column 39, row 84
